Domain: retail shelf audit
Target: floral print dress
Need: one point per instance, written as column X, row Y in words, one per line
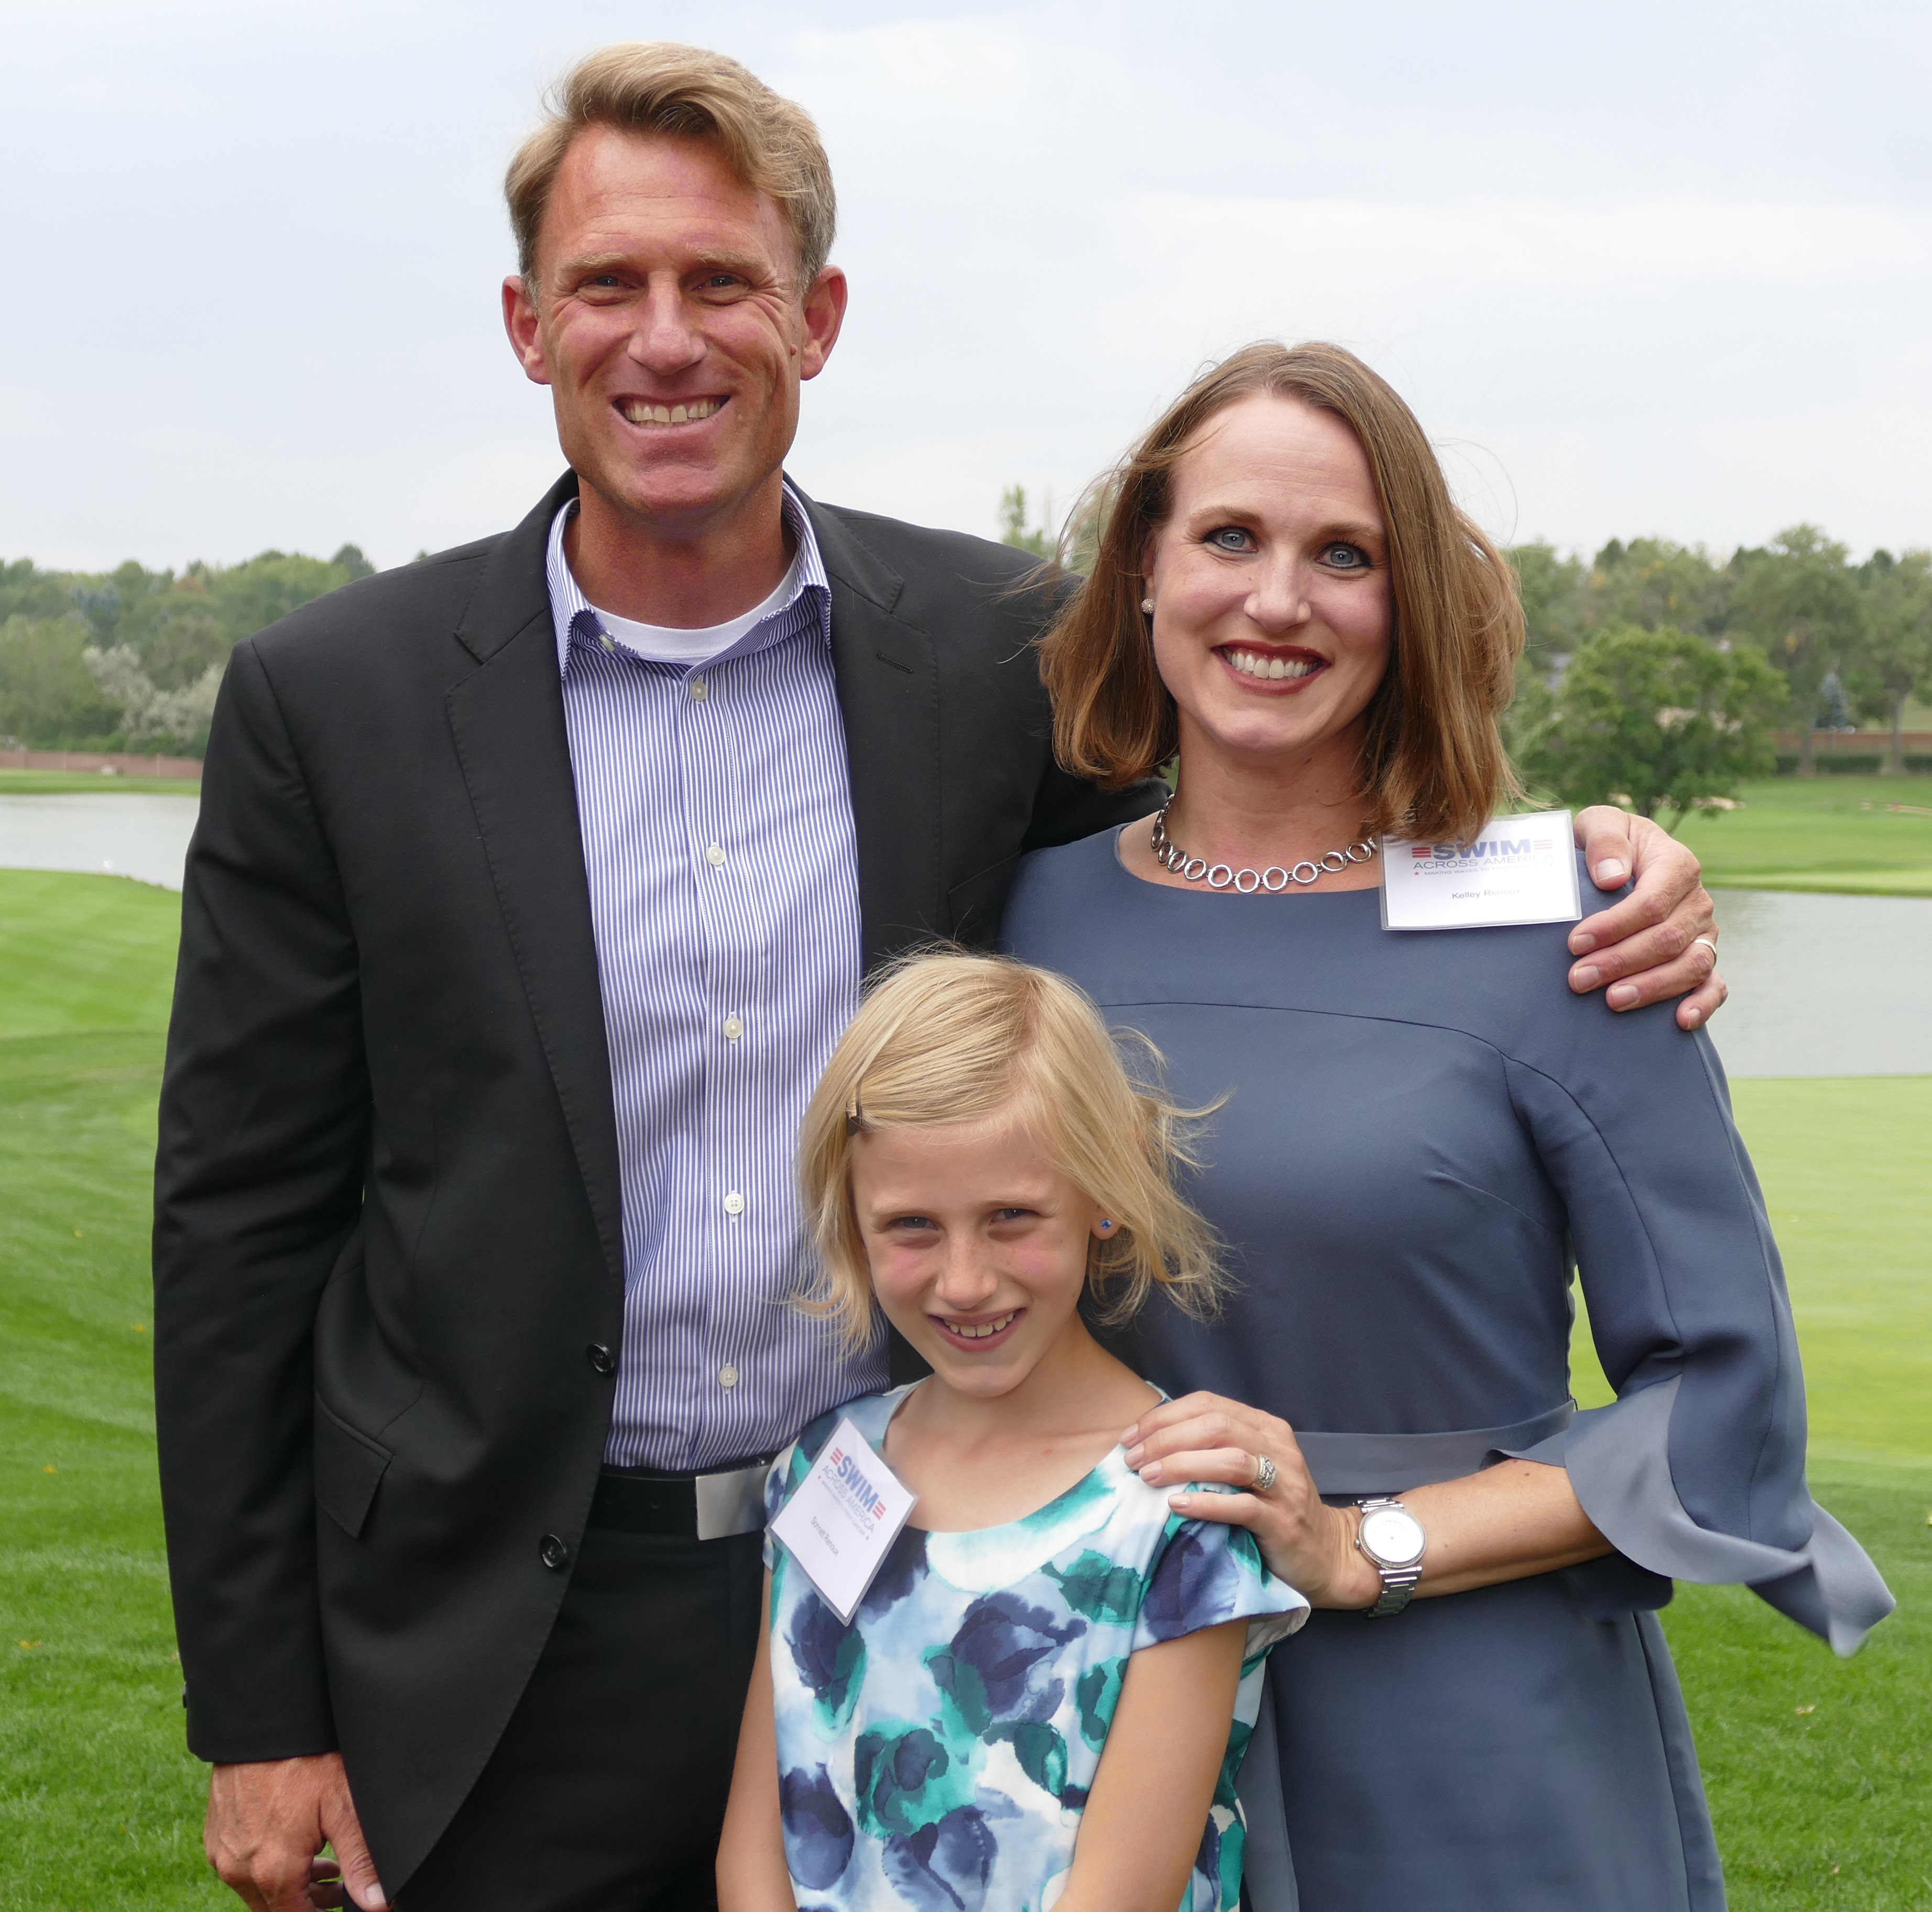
column 938, row 1753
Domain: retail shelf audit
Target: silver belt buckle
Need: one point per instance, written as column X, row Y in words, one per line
column 733, row 1503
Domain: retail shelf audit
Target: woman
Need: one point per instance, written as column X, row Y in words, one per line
column 1422, row 1130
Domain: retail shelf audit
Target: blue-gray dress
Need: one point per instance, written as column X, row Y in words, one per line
column 1422, row 1130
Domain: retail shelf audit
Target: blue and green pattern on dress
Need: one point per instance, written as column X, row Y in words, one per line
column 937, row 1753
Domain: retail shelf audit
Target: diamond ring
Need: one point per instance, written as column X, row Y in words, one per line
column 1263, row 1474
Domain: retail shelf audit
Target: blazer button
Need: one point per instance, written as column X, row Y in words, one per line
column 553, row 1554
column 601, row 1358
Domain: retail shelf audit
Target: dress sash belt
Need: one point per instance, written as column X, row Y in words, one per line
column 1349, row 1464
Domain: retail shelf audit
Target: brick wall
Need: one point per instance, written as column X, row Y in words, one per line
column 123, row 761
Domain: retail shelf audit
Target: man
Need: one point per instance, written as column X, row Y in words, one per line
column 532, row 886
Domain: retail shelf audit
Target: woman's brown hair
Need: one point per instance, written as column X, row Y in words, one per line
column 1432, row 762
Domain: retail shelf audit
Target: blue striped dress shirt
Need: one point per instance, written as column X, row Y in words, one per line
column 716, row 805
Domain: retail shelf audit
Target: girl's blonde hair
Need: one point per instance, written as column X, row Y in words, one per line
column 946, row 1037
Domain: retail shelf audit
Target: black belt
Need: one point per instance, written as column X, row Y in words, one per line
column 709, row 1506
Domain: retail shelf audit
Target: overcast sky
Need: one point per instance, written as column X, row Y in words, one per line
column 1657, row 268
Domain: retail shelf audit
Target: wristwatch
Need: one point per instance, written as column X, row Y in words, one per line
column 1392, row 1537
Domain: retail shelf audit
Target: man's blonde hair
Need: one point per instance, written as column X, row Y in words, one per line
column 658, row 86
column 946, row 1037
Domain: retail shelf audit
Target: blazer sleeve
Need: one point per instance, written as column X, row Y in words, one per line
column 1697, row 1470
column 258, row 1184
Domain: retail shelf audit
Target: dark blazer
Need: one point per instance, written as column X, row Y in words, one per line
column 387, row 1261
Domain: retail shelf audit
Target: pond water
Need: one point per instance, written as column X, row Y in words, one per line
column 1820, row 985
column 1824, row 985
column 117, row 833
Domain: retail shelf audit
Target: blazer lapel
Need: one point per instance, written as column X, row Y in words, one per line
column 889, row 695
column 507, row 718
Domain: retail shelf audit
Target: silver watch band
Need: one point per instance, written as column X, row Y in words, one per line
column 1398, row 1583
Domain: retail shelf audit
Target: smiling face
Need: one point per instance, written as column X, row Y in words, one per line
column 669, row 327
column 1273, row 614
column 978, row 1249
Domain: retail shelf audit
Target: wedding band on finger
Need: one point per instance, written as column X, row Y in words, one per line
column 1263, row 1474
column 1709, row 944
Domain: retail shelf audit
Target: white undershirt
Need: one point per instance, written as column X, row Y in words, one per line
column 667, row 643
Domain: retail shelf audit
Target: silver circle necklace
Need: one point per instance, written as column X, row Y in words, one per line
column 1273, row 881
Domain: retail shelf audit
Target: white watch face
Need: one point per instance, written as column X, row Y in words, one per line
column 1391, row 1537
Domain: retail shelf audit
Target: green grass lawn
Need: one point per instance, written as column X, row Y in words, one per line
column 1831, row 833
column 60, row 783
column 1818, row 1768
column 99, row 1803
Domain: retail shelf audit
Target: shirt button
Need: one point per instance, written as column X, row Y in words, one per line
column 698, row 689
column 714, row 854
column 601, row 1359
column 727, row 1376
column 733, row 1028
column 734, row 1203
column 552, row 1552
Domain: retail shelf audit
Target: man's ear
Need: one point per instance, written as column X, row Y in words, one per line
column 525, row 330
column 824, row 315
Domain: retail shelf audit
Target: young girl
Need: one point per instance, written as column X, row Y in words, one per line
column 1045, row 1694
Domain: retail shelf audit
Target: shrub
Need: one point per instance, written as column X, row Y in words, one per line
column 1660, row 718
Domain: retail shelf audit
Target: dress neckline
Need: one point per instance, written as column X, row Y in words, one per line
column 1110, row 1464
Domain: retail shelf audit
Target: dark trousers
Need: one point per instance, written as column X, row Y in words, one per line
column 606, row 1790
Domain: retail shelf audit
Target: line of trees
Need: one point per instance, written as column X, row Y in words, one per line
column 1844, row 640
column 130, row 659
column 1660, row 658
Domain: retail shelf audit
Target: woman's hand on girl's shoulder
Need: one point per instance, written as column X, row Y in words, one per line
column 1207, row 1438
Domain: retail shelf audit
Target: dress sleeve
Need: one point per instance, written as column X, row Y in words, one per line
column 1696, row 1472
column 1207, row 1573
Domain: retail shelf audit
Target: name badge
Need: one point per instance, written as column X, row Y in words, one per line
column 843, row 1518
column 1520, row 869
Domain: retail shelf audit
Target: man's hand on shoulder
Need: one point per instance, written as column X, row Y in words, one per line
column 267, row 1820
column 1660, row 940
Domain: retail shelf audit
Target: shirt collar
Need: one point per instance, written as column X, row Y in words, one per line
column 571, row 610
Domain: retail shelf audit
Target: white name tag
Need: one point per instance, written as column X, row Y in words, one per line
column 843, row 1518
column 1521, row 869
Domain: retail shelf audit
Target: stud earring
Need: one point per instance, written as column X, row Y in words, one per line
column 1146, row 604
column 1105, row 1225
